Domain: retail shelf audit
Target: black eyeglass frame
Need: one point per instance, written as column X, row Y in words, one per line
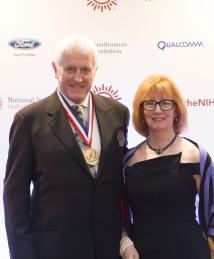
column 158, row 103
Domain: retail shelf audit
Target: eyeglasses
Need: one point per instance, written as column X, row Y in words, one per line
column 164, row 104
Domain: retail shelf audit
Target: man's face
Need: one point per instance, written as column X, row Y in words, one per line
column 75, row 74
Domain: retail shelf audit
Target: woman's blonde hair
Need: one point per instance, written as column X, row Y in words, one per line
column 158, row 84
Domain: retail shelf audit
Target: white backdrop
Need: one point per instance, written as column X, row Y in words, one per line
column 135, row 38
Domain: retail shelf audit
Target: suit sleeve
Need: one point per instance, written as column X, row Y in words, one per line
column 126, row 123
column 16, row 196
column 123, row 200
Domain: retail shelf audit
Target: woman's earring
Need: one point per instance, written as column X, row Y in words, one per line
column 176, row 119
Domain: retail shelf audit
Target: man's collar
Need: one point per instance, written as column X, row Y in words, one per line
column 84, row 103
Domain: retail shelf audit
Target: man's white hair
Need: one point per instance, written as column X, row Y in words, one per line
column 76, row 42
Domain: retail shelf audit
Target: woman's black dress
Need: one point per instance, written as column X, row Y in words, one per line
column 161, row 193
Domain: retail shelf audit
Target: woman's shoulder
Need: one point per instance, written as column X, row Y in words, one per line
column 131, row 151
column 195, row 150
column 190, row 151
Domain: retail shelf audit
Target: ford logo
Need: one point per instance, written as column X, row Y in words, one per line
column 24, row 43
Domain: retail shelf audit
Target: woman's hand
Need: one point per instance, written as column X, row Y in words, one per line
column 130, row 253
column 211, row 246
column 127, row 249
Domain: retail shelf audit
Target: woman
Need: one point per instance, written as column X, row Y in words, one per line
column 163, row 175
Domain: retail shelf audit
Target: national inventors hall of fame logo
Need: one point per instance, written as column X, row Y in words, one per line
column 106, row 91
column 102, row 5
column 1, row 103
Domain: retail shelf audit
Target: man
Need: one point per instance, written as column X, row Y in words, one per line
column 75, row 165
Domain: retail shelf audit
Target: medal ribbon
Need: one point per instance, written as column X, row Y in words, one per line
column 85, row 132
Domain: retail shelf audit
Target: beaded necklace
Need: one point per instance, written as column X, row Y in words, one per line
column 160, row 149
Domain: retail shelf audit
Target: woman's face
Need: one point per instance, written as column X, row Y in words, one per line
column 159, row 116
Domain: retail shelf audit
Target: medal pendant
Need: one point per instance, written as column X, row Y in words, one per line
column 91, row 156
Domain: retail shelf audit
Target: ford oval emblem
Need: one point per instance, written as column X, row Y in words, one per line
column 24, row 43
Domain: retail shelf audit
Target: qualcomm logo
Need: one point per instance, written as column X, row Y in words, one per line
column 24, row 43
column 106, row 91
column 102, row 5
column 179, row 44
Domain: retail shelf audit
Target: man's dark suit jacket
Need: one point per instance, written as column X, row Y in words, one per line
column 69, row 215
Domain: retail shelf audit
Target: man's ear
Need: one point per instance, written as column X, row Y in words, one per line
column 55, row 69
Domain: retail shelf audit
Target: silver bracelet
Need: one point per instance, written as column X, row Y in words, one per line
column 124, row 243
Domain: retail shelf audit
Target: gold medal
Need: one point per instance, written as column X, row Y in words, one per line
column 91, row 156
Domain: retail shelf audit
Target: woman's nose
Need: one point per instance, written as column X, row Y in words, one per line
column 158, row 108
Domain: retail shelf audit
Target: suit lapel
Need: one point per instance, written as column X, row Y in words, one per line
column 62, row 129
column 59, row 124
column 104, row 120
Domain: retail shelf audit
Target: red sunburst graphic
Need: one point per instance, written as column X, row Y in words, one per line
column 102, row 4
column 106, row 91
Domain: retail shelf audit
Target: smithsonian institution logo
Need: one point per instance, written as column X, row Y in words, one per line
column 106, row 91
column 102, row 5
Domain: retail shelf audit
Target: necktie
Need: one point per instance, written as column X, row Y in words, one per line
column 79, row 110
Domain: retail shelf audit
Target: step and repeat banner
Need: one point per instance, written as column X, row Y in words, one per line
column 135, row 38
